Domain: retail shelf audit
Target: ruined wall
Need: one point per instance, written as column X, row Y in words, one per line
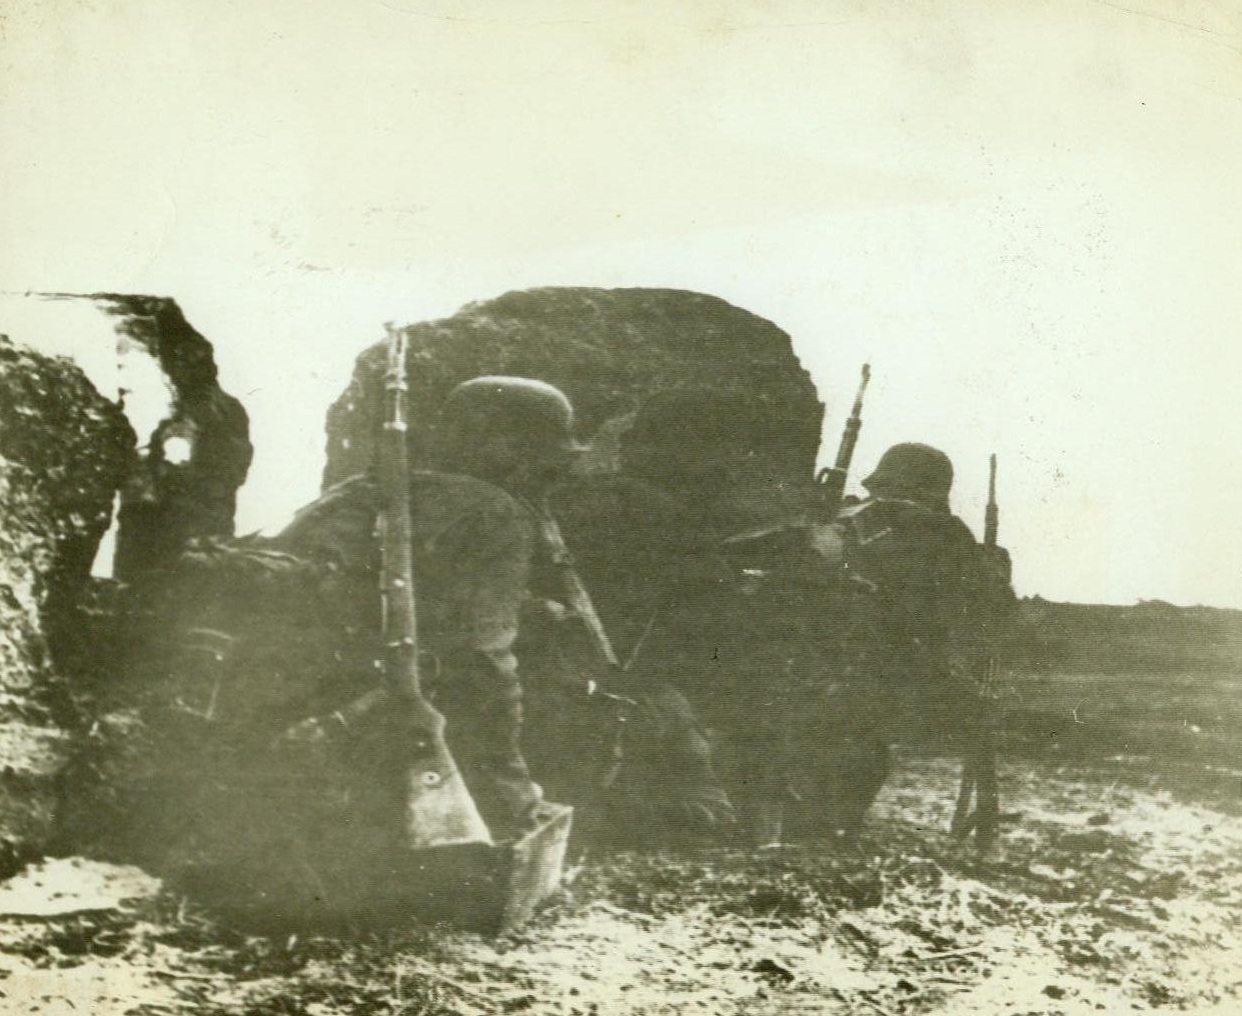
column 609, row 349
column 64, row 450
column 101, row 398
column 196, row 458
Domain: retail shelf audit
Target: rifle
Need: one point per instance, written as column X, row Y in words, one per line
column 576, row 596
column 991, row 515
column 439, row 809
column 979, row 767
column 831, row 479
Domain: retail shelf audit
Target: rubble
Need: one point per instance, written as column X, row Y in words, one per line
column 105, row 400
column 64, row 451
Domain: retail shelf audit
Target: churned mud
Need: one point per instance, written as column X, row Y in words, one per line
column 1113, row 890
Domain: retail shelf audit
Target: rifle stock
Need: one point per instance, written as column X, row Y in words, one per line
column 439, row 808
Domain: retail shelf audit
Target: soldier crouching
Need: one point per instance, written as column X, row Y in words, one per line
column 617, row 748
column 267, row 754
column 924, row 604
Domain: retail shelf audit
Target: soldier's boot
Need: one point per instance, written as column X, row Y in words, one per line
column 867, row 771
column 680, row 766
column 496, row 770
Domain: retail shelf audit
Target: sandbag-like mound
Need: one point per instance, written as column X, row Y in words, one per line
column 668, row 385
column 610, row 350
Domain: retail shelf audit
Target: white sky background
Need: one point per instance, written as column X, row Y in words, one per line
column 1027, row 215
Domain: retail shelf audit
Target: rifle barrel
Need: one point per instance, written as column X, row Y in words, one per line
column 400, row 624
column 849, row 436
column 991, row 518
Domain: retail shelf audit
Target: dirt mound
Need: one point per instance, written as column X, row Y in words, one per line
column 609, row 349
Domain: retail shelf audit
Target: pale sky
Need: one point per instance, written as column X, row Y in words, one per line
column 1025, row 213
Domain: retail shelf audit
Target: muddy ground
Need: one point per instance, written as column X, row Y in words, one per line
column 1117, row 887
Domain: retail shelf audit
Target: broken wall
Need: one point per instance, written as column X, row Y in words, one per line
column 104, row 400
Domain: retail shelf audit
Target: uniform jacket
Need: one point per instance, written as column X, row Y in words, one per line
column 924, row 598
column 472, row 556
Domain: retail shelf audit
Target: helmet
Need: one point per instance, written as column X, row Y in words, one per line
column 534, row 412
column 917, row 471
column 520, row 403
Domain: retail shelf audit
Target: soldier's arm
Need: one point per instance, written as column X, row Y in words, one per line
column 486, row 559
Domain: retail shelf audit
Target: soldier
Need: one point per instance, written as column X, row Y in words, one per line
column 472, row 554
column 742, row 616
column 923, row 602
column 518, row 434
column 266, row 643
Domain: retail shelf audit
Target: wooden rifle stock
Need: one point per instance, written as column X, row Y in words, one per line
column 439, row 808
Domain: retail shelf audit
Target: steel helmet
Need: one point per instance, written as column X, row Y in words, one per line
column 539, row 413
column 916, row 471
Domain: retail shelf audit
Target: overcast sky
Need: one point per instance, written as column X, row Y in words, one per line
column 1027, row 215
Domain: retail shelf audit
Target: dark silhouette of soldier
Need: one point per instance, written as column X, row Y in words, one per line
column 922, row 606
column 745, row 594
column 595, row 737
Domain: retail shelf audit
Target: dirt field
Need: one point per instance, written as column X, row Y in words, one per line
column 1117, row 887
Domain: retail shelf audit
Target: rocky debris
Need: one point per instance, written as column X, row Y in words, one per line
column 64, row 451
column 610, row 350
column 103, row 399
column 197, row 456
column 190, row 438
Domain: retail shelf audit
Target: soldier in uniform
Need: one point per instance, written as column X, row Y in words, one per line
column 597, row 737
column 923, row 604
column 267, row 743
column 741, row 630
column 473, row 547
